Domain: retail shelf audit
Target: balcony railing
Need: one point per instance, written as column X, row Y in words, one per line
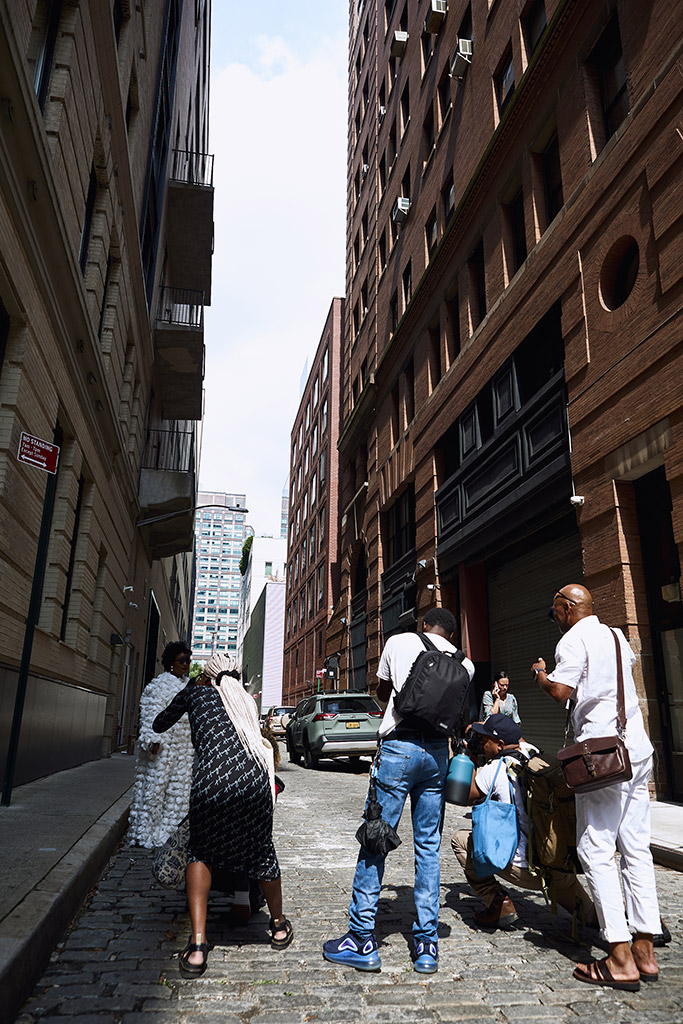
column 191, row 168
column 181, row 307
column 171, row 450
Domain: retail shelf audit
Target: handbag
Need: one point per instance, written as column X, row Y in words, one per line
column 170, row 860
column 495, row 833
column 599, row 761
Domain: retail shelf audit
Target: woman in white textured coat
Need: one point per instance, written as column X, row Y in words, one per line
column 163, row 774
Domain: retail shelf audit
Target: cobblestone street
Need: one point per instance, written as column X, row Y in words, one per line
column 119, row 962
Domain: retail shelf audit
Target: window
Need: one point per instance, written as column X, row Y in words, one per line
column 407, row 284
column 306, row 461
column 434, row 363
column 42, row 46
column 607, row 62
column 395, row 422
column 431, row 233
column 268, row 571
column 409, row 380
column 305, row 508
column 321, row 527
column 314, row 439
column 452, row 329
column 87, row 220
column 382, row 252
column 356, row 251
column 311, row 597
column 388, row 12
column 314, row 494
column 323, row 417
column 364, row 229
column 515, row 216
column 505, row 81
column 400, row 526
column 393, row 313
column 427, row 42
column 324, row 366
column 477, row 273
column 552, row 179
column 504, row 393
column 303, row 555
column 321, row 594
column 444, row 95
column 428, row 134
column 308, row 415
column 534, row 23
column 323, row 467
column 311, row 543
column 468, row 431
column 315, row 391
column 405, row 109
column 448, row 197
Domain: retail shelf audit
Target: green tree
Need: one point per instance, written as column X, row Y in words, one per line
column 244, row 560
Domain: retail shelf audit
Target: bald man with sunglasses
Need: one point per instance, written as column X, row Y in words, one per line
column 617, row 817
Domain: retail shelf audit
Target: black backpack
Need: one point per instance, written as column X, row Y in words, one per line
column 434, row 695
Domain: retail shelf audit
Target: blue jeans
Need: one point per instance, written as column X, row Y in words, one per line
column 417, row 768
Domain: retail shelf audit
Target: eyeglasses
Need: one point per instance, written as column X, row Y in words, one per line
column 551, row 613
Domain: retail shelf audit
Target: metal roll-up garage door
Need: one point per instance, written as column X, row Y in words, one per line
column 520, row 592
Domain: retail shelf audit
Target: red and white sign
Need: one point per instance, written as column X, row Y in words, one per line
column 320, row 673
column 38, row 453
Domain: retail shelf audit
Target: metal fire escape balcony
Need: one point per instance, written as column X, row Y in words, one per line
column 179, row 353
column 189, row 229
column 167, row 492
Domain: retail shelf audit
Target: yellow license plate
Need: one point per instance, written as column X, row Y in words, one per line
column 353, row 725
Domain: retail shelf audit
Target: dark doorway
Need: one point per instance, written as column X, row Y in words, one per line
column 662, row 570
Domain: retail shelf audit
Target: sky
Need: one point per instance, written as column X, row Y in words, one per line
column 278, row 135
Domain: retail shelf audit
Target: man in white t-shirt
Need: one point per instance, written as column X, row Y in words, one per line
column 413, row 762
column 617, row 817
column 502, row 737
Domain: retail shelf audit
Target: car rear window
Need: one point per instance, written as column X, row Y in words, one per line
column 341, row 704
column 281, row 711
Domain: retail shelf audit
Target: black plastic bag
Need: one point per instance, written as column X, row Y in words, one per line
column 375, row 835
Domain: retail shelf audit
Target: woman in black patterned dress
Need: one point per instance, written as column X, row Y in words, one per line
column 231, row 802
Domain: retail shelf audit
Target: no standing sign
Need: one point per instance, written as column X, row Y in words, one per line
column 37, row 452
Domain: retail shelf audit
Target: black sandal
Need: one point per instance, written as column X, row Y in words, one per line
column 187, row 969
column 283, row 925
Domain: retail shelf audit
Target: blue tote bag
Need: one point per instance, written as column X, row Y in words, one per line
column 495, row 833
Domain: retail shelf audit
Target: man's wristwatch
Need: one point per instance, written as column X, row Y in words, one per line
column 537, row 670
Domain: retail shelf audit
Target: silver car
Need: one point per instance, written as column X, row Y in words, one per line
column 333, row 725
column 273, row 719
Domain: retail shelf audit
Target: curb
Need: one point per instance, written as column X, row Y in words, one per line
column 667, row 857
column 30, row 933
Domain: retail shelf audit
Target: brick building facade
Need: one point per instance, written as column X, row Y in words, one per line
column 103, row 169
column 514, row 266
column 312, row 537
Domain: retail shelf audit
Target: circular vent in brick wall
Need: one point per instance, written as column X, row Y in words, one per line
column 619, row 271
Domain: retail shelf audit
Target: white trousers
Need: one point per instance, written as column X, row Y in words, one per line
column 611, row 819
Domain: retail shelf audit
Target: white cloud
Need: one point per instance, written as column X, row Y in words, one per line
column 278, row 132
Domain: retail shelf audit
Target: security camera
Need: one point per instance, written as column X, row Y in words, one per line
column 577, row 499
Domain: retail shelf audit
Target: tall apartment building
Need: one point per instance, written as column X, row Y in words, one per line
column 220, row 533
column 514, row 269
column 312, row 540
column 265, row 562
column 106, row 227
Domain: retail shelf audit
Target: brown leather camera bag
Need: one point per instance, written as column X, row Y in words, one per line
column 601, row 760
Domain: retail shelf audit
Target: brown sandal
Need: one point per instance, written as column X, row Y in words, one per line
column 598, row 973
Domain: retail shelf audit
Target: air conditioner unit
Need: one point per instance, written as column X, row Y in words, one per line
column 398, row 44
column 400, row 210
column 380, row 114
column 363, row 171
column 462, row 58
column 438, row 9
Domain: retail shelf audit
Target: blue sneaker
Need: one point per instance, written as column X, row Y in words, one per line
column 352, row 951
column 426, row 957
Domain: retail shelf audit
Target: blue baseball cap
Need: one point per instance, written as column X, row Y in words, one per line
column 499, row 727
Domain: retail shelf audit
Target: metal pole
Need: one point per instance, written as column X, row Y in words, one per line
column 29, row 632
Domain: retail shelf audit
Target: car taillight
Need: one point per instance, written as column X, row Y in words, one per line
column 375, row 714
column 320, row 716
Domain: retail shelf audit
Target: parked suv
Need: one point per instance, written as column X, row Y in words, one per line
column 273, row 718
column 332, row 725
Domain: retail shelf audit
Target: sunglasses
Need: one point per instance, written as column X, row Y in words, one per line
column 551, row 613
column 183, row 659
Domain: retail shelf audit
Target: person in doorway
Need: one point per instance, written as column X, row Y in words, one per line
column 617, row 817
column 231, row 804
column 163, row 772
column 498, row 700
column 501, row 739
column 412, row 763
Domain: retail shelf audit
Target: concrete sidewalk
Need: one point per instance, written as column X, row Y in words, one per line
column 58, row 835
